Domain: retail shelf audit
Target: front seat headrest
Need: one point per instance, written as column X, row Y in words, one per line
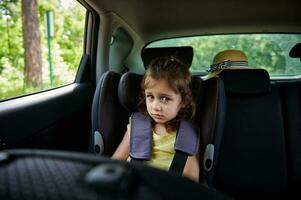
column 295, row 52
column 246, row 81
column 184, row 53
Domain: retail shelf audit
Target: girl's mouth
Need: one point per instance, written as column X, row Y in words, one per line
column 158, row 116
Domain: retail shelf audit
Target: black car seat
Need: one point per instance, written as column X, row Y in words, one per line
column 252, row 159
column 211, row 119
column 291, row 99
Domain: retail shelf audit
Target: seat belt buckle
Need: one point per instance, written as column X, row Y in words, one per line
column 208, row 157
column 98, row 143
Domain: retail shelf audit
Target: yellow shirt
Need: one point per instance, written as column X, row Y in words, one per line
column 163, row 150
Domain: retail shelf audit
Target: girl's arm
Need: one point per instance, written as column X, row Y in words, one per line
column 122, row 152
column 192, row 168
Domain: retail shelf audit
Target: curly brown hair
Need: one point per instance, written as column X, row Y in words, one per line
column 178, row 77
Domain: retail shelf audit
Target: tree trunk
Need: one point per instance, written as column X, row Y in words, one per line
column 32, row 44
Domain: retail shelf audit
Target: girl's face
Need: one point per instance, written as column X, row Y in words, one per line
column 162, row 103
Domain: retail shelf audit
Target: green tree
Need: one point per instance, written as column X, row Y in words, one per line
column 32, row 44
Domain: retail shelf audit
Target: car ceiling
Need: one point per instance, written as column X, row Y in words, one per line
column 155, row 19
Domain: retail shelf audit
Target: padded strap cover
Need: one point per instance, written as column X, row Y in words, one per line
column 187, row 139
column 141, row 136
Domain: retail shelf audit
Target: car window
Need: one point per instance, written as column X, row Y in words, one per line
column 41, row 45
column 267, row 51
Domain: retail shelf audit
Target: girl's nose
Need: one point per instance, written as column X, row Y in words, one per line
column 157, row 105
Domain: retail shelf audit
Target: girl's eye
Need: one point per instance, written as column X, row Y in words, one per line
column 165, row 99
column 149, row 97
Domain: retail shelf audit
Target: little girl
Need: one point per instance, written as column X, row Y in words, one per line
column 167, row 100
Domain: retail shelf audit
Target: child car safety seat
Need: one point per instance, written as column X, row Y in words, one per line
column 109, row 118
column 111, row 111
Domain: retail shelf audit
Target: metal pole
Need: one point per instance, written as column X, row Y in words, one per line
column 49, row 46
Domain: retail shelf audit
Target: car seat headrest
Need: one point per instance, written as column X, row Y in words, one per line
column 235, row 59
column 246, row 81
column 129, row 90
column 184, row 53
column 295, row 52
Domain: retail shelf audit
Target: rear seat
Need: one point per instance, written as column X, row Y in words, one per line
column 291, row 103
column 210, row 117
column 252, row 159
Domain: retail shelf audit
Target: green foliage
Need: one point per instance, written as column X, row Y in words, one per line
column 261, row 51
column 72, row 51
column 66, row 46
column 267, row 51
column 11, row 34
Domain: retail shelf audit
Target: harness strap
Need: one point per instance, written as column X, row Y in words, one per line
column 135, row 160
column 177, row 165
column 187, row 141
column 178, row 162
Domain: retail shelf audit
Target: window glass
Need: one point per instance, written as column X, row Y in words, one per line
column 267, row 51
column 41, row 44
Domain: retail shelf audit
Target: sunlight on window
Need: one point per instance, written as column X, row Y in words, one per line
column 54, row 60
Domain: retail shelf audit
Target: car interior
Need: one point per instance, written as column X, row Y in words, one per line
column 60, row 140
